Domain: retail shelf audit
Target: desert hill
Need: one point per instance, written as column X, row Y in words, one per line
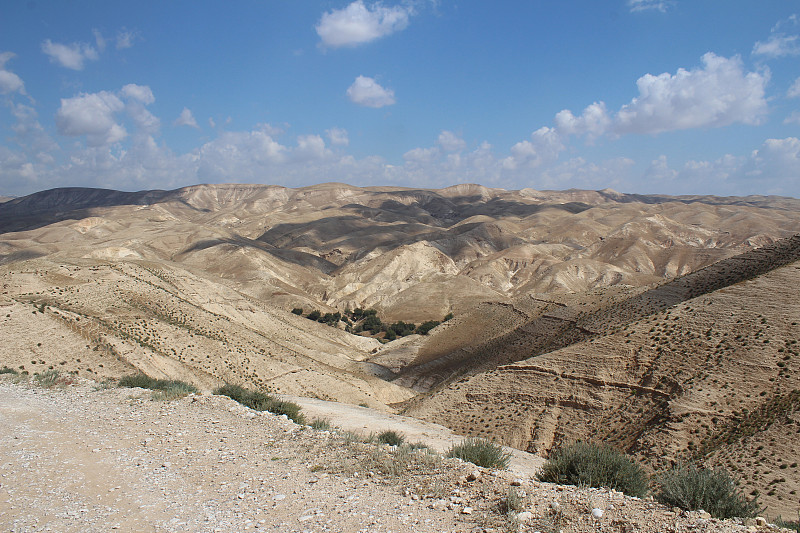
column 577, row 314
column 702, row 366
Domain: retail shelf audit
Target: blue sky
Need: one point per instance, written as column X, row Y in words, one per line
column 647, row 96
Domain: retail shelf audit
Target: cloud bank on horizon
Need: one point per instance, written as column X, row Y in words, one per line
column 660, row 96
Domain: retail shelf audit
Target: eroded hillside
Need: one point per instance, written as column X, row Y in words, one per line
column 672, row 373
column 659, row 324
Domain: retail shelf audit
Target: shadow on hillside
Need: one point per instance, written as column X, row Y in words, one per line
column 291, row 256
column 71, row 203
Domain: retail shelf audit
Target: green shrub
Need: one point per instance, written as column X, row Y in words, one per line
column 321, row 424
column 480, row 452
column 297, row 311
column 172, row 387
column 314, row 315
column 594, row 465
column 391, row 437
column 425, row 327
column 260, row 401
column 6, row 370
column 691, row 487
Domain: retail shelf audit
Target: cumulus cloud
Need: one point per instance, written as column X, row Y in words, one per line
column 91, row 115
column 9, row 82
column 543, row 148
column 71, row 56
column 238, row 155
column 310, row 147
column 357, row 23
column 718, row 94
column 450, row 142
column 186, row 119
column 594, row 121
column 338, row 136
column 648, row 5
column 142, row 93
column 95, row 115
column 367, row 92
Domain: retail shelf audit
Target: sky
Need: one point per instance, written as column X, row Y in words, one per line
column 641, row 96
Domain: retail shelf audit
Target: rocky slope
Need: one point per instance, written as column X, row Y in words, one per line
column 81, row 457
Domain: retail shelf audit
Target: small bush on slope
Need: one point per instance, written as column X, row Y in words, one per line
column 166, row 389
column 262, row 402
column 595, row 465
column 391, row 437
column 481, row 452
column 691, row 487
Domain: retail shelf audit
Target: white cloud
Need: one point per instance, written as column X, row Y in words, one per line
column 778, row 45
column 422, row 155
column 142, row 93
column 186, row 119
column 91, row 115
column 543, row 148
column 310, row 147
column 647, row 5
column 94, row 115
column 594, row 121
column 99, row 40
column 777, row 162
column 338, row 136
column 357, row 24
column 125, row 39
column 450, row 142
column 659, row 170
column 793, row 118
column 718, row 94
column 70, row 56
column 239, row 155
column 9, row 82
column 367, row 92
column 794, row 90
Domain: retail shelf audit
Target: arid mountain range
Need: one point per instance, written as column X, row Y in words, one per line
column 667, row 326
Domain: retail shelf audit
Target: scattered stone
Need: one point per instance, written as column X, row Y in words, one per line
column 475, row 475
column 597, row 513
column 466, row 510
column 524, row 516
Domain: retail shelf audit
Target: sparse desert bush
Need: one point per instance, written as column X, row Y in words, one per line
column 48, row 378
column 480, row 452
column 794, row 525
column 391, row 437
column 297, row 311
column 691, row 487
column 164, row 389
column 7, row 370
column 321, row 424
column 594, row 465
column 260, row 401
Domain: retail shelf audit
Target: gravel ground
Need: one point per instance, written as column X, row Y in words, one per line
column 85, row 458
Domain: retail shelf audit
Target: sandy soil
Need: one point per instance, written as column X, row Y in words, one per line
column 86, row 458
